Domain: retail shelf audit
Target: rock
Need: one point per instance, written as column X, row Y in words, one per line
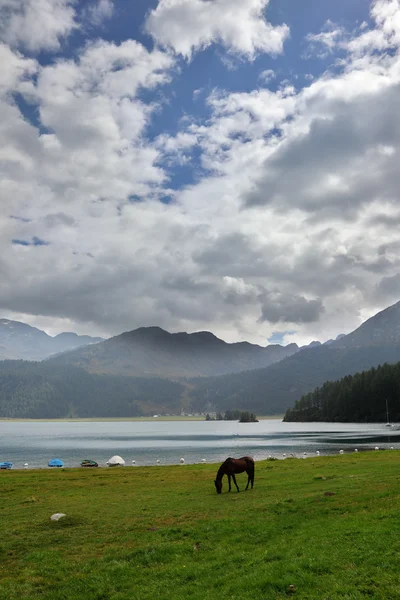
column 57, row 516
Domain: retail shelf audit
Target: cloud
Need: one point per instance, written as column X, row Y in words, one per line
column 16, row 70
column 187, row 26
column 267, row 76
column 289, row 224
column 325, row 42
column 36, row 24
column 290, row 309
column 301, row 188
column 98, row 12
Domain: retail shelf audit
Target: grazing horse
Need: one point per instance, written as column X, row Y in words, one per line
column 232, row 466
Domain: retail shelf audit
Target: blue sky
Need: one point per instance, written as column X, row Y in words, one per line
column 199, row 165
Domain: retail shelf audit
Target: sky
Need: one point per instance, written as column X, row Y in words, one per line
column 220, row 165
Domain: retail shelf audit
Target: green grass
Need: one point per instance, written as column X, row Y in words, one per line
column 329, row 526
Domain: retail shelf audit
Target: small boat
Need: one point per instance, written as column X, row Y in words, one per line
column 88, row 463
column 5, row 465
column 388, row 423
column 55, row 462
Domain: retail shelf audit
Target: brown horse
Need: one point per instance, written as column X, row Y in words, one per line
column 232, row 466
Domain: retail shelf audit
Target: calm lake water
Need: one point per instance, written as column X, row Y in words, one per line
column 36, row 443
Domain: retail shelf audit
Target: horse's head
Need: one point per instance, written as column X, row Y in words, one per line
column 218, row 485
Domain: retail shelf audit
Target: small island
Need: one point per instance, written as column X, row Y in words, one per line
column 233, row 415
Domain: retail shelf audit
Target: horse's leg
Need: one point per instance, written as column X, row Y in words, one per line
column 229, row 482
column 234, row 481
column 248, row 480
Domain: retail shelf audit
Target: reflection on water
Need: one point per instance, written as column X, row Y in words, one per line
column 147, row 442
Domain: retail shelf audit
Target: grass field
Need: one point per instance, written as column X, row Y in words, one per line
column 327, row 526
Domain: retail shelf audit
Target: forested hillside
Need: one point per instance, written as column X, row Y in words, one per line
column 355, row 398
column 41, row 390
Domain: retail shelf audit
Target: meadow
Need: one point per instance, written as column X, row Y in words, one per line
column 320, row 528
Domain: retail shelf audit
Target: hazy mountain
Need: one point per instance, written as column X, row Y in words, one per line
column 151, row 351
column 383, row 328
column 274, row 389
column 21, row 341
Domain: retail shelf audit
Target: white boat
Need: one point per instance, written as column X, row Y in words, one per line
column 116, row 461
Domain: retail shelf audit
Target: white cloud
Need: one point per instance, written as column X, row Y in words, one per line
column 291, row 224
column 100, row 11
column 325, row 42
column 267, row 76
column 191, row 25
column 36, row 24
column 15, row 70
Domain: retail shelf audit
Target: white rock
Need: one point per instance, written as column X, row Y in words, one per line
column 181, row 460
column 57, row 516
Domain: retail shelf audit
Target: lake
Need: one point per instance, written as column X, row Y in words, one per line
column 145, row 442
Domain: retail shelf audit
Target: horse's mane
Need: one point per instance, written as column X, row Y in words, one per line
column 221, row 470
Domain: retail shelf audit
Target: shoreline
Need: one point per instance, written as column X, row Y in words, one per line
column 269, row 458
column 128, row 419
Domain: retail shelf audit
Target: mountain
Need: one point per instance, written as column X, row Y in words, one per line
column 276, row 388
column 381, row 329
column 21, row 341
column 153, row 352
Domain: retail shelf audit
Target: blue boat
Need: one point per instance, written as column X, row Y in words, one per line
column 55, row 462
column 6, row 465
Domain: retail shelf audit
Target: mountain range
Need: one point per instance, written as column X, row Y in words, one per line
column 21, row 341
column 153, row 352
column 206, row 372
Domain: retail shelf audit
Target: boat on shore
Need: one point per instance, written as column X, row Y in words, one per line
column 88, row 463
column 6, row 465
column 116, row 461
column 55, row 462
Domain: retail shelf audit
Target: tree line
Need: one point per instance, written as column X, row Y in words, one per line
column 243, row 416
column 47, row 391
column 362, row 397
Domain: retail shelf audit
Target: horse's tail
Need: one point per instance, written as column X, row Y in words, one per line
column 250, row 464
